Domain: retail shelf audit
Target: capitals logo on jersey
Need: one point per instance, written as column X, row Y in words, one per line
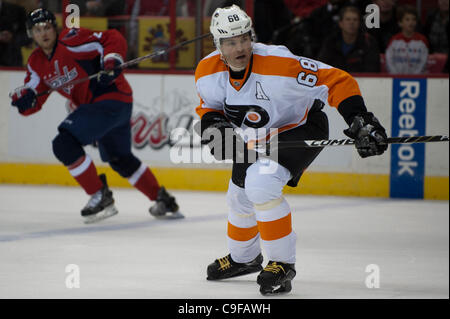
column 60, row 79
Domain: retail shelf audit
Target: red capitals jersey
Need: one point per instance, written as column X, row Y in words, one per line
column 78, row 53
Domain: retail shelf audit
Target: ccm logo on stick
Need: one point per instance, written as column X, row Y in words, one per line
column 332, row 142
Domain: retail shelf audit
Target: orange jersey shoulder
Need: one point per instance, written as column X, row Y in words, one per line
column 209, row 65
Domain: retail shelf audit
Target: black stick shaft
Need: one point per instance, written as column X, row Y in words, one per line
column 161, row 52
column 345, row 142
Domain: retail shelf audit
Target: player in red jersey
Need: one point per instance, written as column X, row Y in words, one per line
column 102, row 115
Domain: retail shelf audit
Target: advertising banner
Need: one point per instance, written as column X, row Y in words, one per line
column 408, row 119
column 154, row 35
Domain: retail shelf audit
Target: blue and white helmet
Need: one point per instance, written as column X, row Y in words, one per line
column 229, row 22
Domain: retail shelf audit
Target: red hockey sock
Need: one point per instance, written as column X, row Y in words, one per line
column 144, row 180
column 85, row 173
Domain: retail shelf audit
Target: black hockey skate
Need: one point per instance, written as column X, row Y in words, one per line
column 276, row 278
column 166, row 206
column 226, row 267
column 100, row 205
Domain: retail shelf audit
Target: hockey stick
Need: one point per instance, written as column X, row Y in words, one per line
column 344, row 142
column 126, row 64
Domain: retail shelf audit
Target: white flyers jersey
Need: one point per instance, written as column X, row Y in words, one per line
column 277, row 91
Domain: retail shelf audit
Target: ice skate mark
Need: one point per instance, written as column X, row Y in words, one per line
column 106, row 228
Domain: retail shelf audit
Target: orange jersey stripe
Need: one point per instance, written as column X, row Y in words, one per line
column 241, row 234
column 341, row 85
column 264, row 65
column 275, row 229
column 209, row 66
column 275, row 65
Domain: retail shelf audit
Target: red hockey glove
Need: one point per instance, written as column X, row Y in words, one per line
column 110, row 69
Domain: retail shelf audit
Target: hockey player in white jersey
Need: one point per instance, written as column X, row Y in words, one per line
column 250, row 85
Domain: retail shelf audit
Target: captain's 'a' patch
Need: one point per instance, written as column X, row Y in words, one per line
column 260, row 94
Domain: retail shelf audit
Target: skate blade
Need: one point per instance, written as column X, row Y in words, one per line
column 167, row 216
column 106, row 213
column 238, row 274
column 282, row 289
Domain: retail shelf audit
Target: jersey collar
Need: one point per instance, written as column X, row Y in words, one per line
column 53, row 51
column 237, row 84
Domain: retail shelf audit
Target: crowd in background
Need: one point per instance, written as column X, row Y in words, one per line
column 337, row 32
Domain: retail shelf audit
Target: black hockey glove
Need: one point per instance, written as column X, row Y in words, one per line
column 218, row 133
column 369, row 135
column 24, row 98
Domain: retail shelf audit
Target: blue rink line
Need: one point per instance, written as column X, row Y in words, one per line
column 152, row 223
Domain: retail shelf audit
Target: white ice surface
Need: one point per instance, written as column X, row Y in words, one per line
column 132, row 255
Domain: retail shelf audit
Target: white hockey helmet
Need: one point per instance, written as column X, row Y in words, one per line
column 229, row 22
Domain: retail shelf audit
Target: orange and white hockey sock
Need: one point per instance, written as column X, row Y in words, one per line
column 243, row 242
column 144, row 180
column 242, row 230
column 264, row 184
column 275, row 227
column 85, row 174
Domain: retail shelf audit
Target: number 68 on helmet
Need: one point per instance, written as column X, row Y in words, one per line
column 230, row 22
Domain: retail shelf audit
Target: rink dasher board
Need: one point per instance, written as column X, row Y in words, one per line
column 165, row 102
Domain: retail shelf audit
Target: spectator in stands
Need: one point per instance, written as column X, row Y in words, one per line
column 13, row 34
column 388, row 23
column 436, row 28
column 350, row 48
column 320, row 24
column 407, row 51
